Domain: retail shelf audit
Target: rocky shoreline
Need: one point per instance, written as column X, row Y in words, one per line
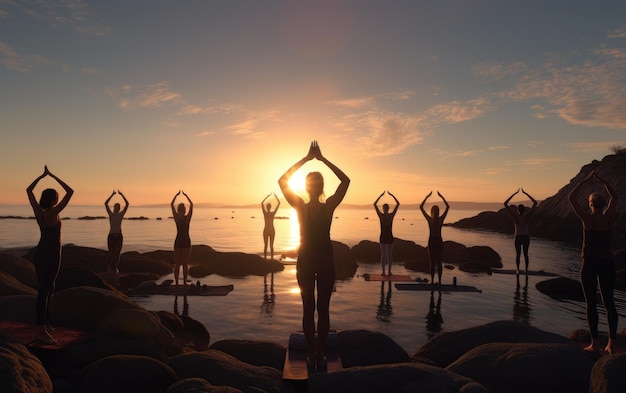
column 130, row 349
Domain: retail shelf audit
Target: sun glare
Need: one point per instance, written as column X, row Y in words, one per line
column 297, row 183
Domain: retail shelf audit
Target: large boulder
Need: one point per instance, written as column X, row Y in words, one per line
column 521, row 368
column 256, row 353
column 365, row 348
column 20, row 370
column 126, row 374
column 608, row 376
column 10, row 285
column 445, row 348
column 86, row 308
column 18, row 308
column 561, row 288
column 76, row 276
column 20, row 268
column 393, row 378
column 199, row 385
column 219, row 368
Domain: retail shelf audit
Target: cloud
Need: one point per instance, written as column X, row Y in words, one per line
column 152, row 96
column 20, row 62
column 540, row 162
column 617, row 33
column 591, row 147
column 249, row 126
column 457, row 111
column 360, row 102
column 73, row 13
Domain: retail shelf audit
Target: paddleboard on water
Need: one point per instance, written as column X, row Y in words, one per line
column 296, row 368
column 523, row 272
column 436, row 287
column 393, row 277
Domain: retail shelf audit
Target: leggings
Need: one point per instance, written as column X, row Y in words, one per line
column 47, row 266
column 596, row 270
column 521, row 244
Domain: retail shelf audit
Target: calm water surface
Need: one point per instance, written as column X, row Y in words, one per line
column 269, row 308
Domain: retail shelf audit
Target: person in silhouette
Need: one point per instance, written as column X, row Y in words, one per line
column 386, row 234
column 182, row 244
column 115, row 238
column 521, row 218
column 315, row 263
column 435, row 241
column 47, row 258
column 269, row 233
column 597, row 259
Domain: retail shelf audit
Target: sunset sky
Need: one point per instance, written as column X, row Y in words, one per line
column 218, row 98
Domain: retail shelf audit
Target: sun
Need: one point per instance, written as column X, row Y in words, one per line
column 297, row 183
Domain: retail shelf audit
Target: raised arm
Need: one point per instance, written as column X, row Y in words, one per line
column 263, row 203
column 293, row 199
column 422, row 205
column 126, row 204
column 31, row 196
column 376, row 203
column 395, row 209
column 534, row 206
column 506, row 204
column 445, row 212
column 277, row 203
column 68, row 193
column 174, row 212
column 573, row 196
column 341, row 190
column 190, row 205
column 106, row 203
column 611, row 204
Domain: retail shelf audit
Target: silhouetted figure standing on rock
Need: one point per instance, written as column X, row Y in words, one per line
column 47, row 257
column 315, row 266
column 521, row 219
column 435, row 241
column 597, row 259
column 182, row 244
column 269, row 232
column 115, row 239
column 386, row 234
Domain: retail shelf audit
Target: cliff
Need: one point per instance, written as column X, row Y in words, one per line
column 554, row 218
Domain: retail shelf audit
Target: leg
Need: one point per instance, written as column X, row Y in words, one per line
column 306, row 282
column 606, row 278
column 325, row 284
column 47, row 272
column 389, row 252
column 432, row 265
column 518, row 251
column 272, row 236
column 589, row 284
column 265, row 239
column 186, row 256
column 115, row 249
column 525, row 245
column 382, row 258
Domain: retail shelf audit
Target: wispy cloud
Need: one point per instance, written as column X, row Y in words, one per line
column 590, row 147
column 359, row 102
column 249, row 127
column 540, row 162
column 152, row 96
column 20, row 62
column 73, row 13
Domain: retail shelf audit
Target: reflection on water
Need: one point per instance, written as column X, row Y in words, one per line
column 521, row 307
column 384, row 311
column 269, row 297
column 434, row 320
column 185, row 306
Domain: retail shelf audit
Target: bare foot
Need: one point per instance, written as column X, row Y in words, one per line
column 591, row 348
column 45, row 338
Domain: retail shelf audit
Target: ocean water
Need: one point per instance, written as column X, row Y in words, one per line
column 269, row 308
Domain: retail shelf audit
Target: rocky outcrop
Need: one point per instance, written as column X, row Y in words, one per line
column 554, row 218
column 607, row 375
column 20, row 370
column 415, row 257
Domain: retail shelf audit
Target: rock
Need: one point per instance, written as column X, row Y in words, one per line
column 256, row 353
column 86, row 308
column 445, row 348
column 20, row 268
column 18, row 308
column 561, row 288
column 10, row 285
column 607, row 374
column 521, row 368
column 393, row 378
column 345, row 264
column 126, row 374
column 199, row 385
column 366, row 348
column 145, row 263
column 219, row 368
column 20, row 370
column 132, row 323
column 554, row 218
column 72, row 277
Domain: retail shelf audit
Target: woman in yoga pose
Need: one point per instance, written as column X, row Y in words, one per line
column 435, row 241
column 182, row 244
column 315, row 266
column 597, row 259
column 115, row 238
column 269, row 233
column 47, row 258
column 386, row 234
column 521, row 218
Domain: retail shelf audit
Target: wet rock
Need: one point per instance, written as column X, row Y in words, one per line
column 20, row 370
